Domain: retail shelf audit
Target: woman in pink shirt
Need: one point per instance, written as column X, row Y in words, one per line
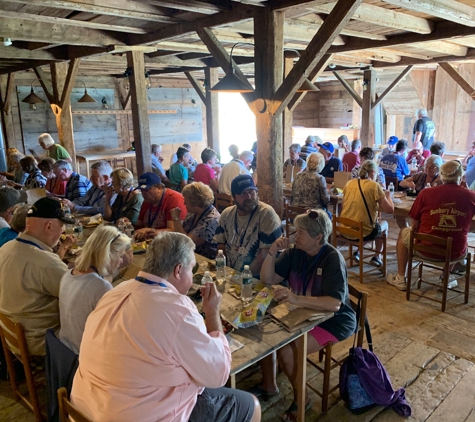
column 208, row 172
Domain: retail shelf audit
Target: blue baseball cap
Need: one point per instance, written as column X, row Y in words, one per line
column 147, row 180
column 241, row 183
column 393, row 140
column 327, row 146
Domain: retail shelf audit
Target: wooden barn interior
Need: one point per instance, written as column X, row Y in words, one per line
column 150, row 66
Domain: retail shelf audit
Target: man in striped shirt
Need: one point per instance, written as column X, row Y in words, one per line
column 77, row 185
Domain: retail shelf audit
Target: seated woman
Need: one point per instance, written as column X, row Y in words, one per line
column 377, row 199
column 35, row 178
column 128, row 201
column 17, row 225
column 430, row 175
column 82, row 287
column 367, row 153
column 202, row 219
column 317, row 276
column 16, row 175
column 309, row 189
column 208, row 172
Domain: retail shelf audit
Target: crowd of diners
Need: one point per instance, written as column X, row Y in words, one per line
column 145, row 352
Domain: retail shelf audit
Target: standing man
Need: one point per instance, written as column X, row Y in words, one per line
column 31, row 273
column 247, row 230
column 424, row 129
column 332, row 164
column 352, row 159
column 94, row 201
column 394, row 164
column 77, row 185
column 233, row 169
column 157, row 203
column 55, row 151
column 157, row 160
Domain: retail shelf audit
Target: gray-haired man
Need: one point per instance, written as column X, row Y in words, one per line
column 77, row 185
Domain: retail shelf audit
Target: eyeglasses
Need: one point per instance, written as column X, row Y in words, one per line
column 115, row 238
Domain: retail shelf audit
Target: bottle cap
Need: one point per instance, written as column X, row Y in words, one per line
column 220, row 251
column 246, row 267
column 206, row 272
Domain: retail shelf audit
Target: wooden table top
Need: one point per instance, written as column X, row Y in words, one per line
column 106, row 155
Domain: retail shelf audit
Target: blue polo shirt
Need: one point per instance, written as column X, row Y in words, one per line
column 394, row 165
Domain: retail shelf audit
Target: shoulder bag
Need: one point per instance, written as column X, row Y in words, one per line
column 376, row 232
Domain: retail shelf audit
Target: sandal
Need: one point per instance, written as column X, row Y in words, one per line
column 259, row 392
column 290, row 414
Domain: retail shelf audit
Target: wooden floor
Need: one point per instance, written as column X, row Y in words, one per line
column 430, row 353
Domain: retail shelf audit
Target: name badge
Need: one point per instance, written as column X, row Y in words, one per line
column 319, row 271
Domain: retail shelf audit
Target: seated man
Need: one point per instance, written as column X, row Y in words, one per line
column 438, row 148
column 310, row 146
column 247, row 230
column 31, row 273
column 94, row 201
column 394, row 164
column 390, row 146
column 157, row 160
column 9, row 198
column 77, row 185
column 233, row 151
column 445, row 211
column 332, row 164
column 157, row 203
column 142, row 370
column 191, row 165
column 295, row 160
column 344, row 143
column 419, row 153
column 179, row 170
column 233, row 169
column 352, row 159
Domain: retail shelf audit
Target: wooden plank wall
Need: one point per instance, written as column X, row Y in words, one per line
column 306, row 113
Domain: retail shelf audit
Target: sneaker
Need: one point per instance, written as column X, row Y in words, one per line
column 452, row 284
column 376, row 262
column 397, row 281
column 356, row 257
column 459, row 268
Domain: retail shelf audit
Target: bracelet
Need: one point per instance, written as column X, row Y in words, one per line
column 273, row 256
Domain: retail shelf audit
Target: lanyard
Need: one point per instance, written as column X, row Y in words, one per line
column 28, row 242
column 98, row 198
column 305, row 278
column 241, row 239
column 150, row 282
column 151, row 219
column 199, row 218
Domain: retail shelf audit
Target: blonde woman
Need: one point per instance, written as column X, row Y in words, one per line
column 17, row 175
column 82, row 287
column 128, row 201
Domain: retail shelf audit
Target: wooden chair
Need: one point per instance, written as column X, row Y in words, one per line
column 67, row 410
column 290, row 213
column 222, row 201
column 441, row 248
column 359, row 302
column 394, row 181
column 345, row 229
column 15, row 348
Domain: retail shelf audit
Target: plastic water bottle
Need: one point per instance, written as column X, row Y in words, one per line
column 391, row 190
column 246, row 285
column 121, row 225
column 129, row 230
column 414, row 163
column 220, row 266
column 206, row 278
column 428, row 185
column 69, row 228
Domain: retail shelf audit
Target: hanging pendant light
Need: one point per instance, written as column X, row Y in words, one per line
column 86, row 98
column 32, row 98
column 307, row 85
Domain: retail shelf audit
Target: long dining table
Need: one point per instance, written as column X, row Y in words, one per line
column 257, row 343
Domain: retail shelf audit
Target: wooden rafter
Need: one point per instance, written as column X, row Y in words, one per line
column 5, row 102
column 195, row 83
column 392, row 86
column 350, row 89
column 69, row 83
column 194, row 5
column 443, row 59
column 459, row 79
column 314, row 52
column 45, row 84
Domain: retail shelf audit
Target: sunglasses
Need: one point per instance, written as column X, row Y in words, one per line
column 313, row 214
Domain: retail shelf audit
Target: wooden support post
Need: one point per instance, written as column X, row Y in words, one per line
column 287, row 117
column 6, row 91
column 212, row 110
column 457, row 77
column 143, row 146
column 269, row 69
column 367, row 119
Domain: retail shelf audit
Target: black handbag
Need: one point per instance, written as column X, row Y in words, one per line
column 376, row 232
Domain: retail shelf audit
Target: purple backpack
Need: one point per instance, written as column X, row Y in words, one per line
column 364, row 382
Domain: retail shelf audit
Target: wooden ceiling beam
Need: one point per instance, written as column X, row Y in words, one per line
column 119, row 8
column 384, row 17
column 57, row 33
column 194, row 6
column 451, row 10
column 314, row 52
column 443, row 59
column 392, row 86
column 459, row 79
column 13, row 53
column 442, row 47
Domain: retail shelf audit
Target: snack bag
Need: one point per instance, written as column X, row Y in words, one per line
column 254, row 312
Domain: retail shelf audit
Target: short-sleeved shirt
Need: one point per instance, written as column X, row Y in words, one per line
column 77, row 186
column 322, row 275
column 306, row 151
column 421, row 180
column 156, row 217
column 229, row 172
column 351, row 159
column 78, row 297
column 470, row 172
column 309, row 190
column 178, row 173
column 57, row 152
column 129, row 209
column 332, row 165
column 29, row 288
column 35, row 180
column 380, row 178
column 19, row 176
column 7, row 234
column 353, row 204
column 255, row 231
column 427, row 128
column 204, row 173
column 420, row 160
column 446, row 211
column 300, row 163
column 205, row 228
column 56, row 186
column 394, row 165
column 157, row 166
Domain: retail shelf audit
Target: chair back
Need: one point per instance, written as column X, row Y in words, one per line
column 427, row 244
column 66, row 409
column 359, row 300
column 348, row 228
column 223, row 201
column 290, row 213
column 13, row 336
column 290, row 173
column 394, row 181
